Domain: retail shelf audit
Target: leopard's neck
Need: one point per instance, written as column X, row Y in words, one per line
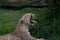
column 20, row 28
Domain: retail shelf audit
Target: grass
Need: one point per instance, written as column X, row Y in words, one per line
column 9, row 20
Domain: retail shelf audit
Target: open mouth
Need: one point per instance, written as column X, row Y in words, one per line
column 32, row 21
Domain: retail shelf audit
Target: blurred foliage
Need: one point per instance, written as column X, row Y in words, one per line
column 48, row 23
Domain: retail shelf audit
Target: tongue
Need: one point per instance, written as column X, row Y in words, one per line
column 33, row 21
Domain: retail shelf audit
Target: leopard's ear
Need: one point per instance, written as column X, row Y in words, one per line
column 21, row 21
